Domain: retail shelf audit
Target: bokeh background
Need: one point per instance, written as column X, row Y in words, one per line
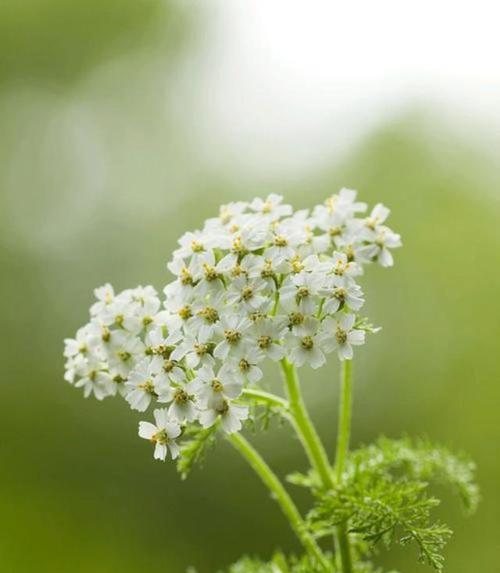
column 124, row 123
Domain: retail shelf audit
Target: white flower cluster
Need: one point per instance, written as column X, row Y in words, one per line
column 106, row 351
column 259, row 281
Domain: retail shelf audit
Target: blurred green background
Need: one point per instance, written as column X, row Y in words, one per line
column 98, row 178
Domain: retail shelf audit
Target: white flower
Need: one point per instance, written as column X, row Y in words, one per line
column 105, row 296
column 307, row 344
column 180, row 310
column 287, row 236
column 163, row 434
column 383, row 240
column 228, row 265
column 206, row 312
column 248, row 293
column 343, row 335
column 227, row 213
column 343, row 204
column 114, row 313
column 141, row 385
column 352, row 245
column 156, row 341
column 158, row 346
column 299, row 292
column 183, row 398
column 144, row 314
column 273, row 266
column 210, row 276
column 213, row 388
column 196, row 349
column 268, row 333
column 344, row 270
column 378, row 216
column 93, row 378
column 231, row 416
column 349, row 295
column 192, row 245
column 312, row 263
column 271, row 207
column 250, row 267
column 234, row 330
column 245, row 360
column 168, row 370
column 251, row 237
column 123, row 351
column 77, row 345
column 182, row 288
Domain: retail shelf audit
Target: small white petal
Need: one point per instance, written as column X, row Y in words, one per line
column 147, row 430
column 160, row 452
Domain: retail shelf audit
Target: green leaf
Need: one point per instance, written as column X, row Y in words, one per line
column 281, row 564
column 278, row 564
column 250, row 565
column 423, row 461
column 194, row 449
column 310, row 480
column 263, row 415
column 384, row 496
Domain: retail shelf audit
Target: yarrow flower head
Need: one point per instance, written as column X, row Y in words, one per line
column 259, row 282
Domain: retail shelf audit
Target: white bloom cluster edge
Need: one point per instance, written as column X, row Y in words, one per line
column 258, row 282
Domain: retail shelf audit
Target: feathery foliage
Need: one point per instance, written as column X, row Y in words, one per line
column 421, row 460
column 263, row 415
column 384, row 495
column 281, row 564
column 278, row 564
column 194, row 449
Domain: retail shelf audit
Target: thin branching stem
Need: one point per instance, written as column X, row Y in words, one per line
column 344, row 557
column 279, row 493
column 344, row 420
column 266, row 398
column 304, row 426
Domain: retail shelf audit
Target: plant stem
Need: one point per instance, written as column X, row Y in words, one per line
column 281, row 495
column 344, row 558
column 344, row 421
column 266, row 398
column 304, row 426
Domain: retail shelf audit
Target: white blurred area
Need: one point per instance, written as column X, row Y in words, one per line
column 255, row 94
column 279, row 87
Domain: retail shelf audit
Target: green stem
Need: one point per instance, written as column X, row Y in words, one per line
column 344, row 562
column 344, row 558
column 266, row 398
column 281, row 495
column 344, row 421
column 305, row 428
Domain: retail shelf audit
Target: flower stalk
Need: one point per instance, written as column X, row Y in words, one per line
column 344, row 558
column 344, row 420
column 280, row 494
column 305, row 428
column 266, row 398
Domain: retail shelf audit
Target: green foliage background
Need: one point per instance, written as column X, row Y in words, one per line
column 78, row 491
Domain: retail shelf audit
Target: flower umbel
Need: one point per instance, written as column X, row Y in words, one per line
column 258, row 282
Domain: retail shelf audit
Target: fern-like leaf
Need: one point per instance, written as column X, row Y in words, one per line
column 384, row 496
column 193, row 450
